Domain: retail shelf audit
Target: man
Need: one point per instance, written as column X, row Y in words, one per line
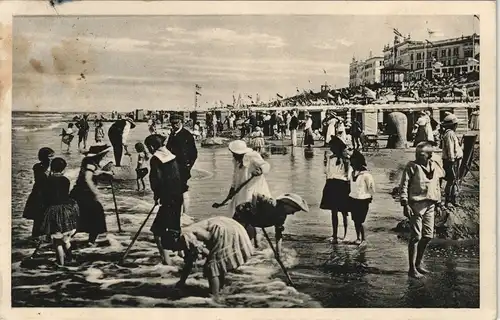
column 181, row 143
column 83, row 131
column 452, row 155
column 118, row 134
column 420, row 193
column 294, row 124
column 356, row 132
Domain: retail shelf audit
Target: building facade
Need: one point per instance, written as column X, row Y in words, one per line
column 425, row 58
column 365, row 71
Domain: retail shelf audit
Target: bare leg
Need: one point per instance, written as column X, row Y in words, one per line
column 335, row 226
column 362, row 231
column 422, row 245
column 67, row 251
column 143, row 184
column 214, row 284
column 138, row 187
column 165, row 257
column 412, row 257
column 60, row 255
column 185, row 202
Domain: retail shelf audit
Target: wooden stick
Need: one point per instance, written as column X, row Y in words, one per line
column 223, row 203
column 278, row 259
column 137, row 235
column 116, row 207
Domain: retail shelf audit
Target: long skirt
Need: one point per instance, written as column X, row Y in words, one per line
column 61, row 218
column 336, row 195
column 91, row 219
column 293, row 136
column 231, row 246
column 308, row 138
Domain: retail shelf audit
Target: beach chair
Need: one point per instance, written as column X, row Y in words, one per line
column 369, row 141
column 468, row 142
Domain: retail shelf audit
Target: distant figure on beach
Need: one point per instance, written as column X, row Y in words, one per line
column 331, row 127
column 308, row 132
column 61, row 215
column 424, row 129
column 356, row 132
column 420, row 194
column 337, row 188
column 263, row 212
column 141, row 170
column 36, row 204
column 67, row 136
column 99, row 132
column 88, row 197
column 294, row 124
column 224, row 243
column 258, row 141
column 181, row 143
column 83, row 131
column 452, row 155
column 118, row 134
column 168, row 187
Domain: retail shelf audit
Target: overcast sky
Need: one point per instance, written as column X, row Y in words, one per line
column 154, row 62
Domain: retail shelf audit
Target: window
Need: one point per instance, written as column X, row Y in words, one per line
column 443, row 53
column 455, row 62
column 449, row 52
column 411, row 57
column 455, row 51
column 468, row 52
column 419, row 56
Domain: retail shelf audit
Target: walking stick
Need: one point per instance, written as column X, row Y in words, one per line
column 223, row 203
column 137, row 234
column 116, row 207
column 278, row 259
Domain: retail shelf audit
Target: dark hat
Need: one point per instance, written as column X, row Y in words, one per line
column 45, row 153
column 97, row 150
column 358, row 157
column 337, row 146
column 176, row 117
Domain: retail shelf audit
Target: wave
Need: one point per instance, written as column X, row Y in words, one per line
column 37, row 128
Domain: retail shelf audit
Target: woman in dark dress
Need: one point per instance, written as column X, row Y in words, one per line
column 86, row 194
column 35, row 205
column 168, row 190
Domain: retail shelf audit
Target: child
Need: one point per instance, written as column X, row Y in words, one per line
column 258, row 141
column 36, row 204
column 67, row 136
column 61, row 216
column 141, row 170
column 336, row 191
column 227, row 248
column 99, row 132
column 265, row 212
column 168, row 190
column 361, row 195
column 197, row 131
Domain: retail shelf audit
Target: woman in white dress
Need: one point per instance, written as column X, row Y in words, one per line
column 247, row 164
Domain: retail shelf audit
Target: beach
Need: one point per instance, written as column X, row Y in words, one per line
column 325, row 275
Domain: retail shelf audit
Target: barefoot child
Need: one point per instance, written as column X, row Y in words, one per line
column 361, row 195
column 263, row 212
column 167, row 186
column 99, row 132
column 141, row 170
column 227, row 247
column 67, row 136
column 258, row 142
column 61, row 216
column 420, row 193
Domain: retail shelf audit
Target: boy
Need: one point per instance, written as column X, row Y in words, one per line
column 420, row 193
column 263, row 212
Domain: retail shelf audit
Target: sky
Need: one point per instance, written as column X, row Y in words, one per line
column 126, row 63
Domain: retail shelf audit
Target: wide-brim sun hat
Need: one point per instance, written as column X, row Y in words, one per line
column 239, row 147
column 97, row 150
column 131, row 121
column 450, row 119
column 294, row 200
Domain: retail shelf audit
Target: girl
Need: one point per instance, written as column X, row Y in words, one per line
column 197, row 130
column 86, row 194
column 227, row 248
column 247, row 164
column 258, row 141
column 308, row 132
column 361, row 195
column 99, row 132
column 336, row 190
column 62, row 212
column 36, row 204
column 168, row 189
column 67, row 136
column 141, row 170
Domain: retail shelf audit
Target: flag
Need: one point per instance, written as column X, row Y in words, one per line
column 298, row 90
column 437, row 65
column 369, row 93
column 434, row 33
column 330, row 96
column 198, row 94
column 249, row 97
column 324, row 71
column 476, row 16
column 472, row 61
column 197, row 87
column 396, row 32
column 279, row 96
column 429, row 43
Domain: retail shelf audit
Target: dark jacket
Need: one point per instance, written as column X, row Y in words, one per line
column 116, row 129
column 165, row 178
column 182, row 145
column 294, row 123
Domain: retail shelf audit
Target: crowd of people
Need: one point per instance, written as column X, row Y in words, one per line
column 227, row 243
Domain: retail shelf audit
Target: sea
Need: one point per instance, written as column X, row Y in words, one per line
column 323, row 275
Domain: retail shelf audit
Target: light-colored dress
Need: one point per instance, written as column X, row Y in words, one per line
column 331, row 129
column 258, row 185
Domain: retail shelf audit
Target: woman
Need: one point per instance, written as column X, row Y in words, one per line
column 223, row 241
column 336, row 191
column 86, row 194
column 308, row 132
column 36, row 204
column 247, row 164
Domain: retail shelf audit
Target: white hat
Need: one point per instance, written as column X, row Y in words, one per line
column 239, row 147
column 132, row 124
column 294, row 200
column 450, row 119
